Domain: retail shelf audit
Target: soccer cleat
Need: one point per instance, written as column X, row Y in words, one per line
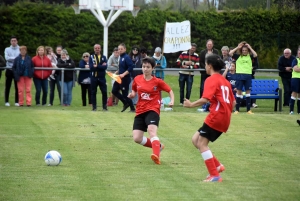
column 291, row 112
column 254, row 105
column 236, row 112
column 250, row 112
column 221, row 168
column 125, row 107
column 7, row 104
column 213, row 179
column 155, row 159
column 17, row 104
column 162, row 147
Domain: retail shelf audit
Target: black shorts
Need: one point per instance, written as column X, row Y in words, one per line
column 142, row 121
column 209, row 133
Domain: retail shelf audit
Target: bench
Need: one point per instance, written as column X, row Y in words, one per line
column 267, row 89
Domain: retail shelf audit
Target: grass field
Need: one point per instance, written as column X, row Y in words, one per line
column 101, row 161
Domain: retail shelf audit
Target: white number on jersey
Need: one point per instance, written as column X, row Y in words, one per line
column 225, row 93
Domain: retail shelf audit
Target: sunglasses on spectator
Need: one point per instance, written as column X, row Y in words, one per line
column 135, row 49
column 85, row 56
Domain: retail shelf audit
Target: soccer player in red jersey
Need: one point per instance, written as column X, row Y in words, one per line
column 217, row 90
column 148, row 88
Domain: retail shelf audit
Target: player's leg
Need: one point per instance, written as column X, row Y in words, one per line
column 239, row 94
column 139, row 127
column 293, row 99
column 152, row 122
column 200, row 140
column 248, row 85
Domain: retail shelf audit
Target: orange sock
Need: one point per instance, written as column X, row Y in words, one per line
column 146, row 142
column 155, row 146
column 209, row 162
column 217, row 163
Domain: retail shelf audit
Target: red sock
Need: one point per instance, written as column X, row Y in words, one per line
column 217, row 163
column 155, row 146
column 146, row 142
column 209, row 162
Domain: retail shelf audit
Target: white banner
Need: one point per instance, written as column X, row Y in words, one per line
column 177, row 36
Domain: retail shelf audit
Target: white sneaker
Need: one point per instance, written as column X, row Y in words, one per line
column 291, row 112
column 17, row 104
column 7, row 104
column 254, row 105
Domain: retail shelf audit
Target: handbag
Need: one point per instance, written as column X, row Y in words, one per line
column 86, row 81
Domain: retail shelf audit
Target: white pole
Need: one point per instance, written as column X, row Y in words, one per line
column 105, row 40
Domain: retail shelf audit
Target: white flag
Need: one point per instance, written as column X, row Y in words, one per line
column 177, row 36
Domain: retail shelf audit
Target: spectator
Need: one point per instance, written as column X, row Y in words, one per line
column 135, row 56
column 225, row 55
column 2, row 64
column 295, row 84
column 58, row 51
column 230, row 75
column 187, row 60
column 209, row 50
column 285, row 68
column 40, row 77
column 66, row 62
column 113, row 66
column 144, row 52
column 23, row 72
column 148, row 108
column 244, row 67
column 125, row 68
column 10, row 54
column 52, row 77
column 98, row 66
column 161, row 63
column 84, row 79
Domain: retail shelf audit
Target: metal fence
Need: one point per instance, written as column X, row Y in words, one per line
column 86, row 69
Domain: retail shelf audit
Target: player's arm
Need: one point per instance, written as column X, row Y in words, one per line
column 199, row 102
column 171, row 94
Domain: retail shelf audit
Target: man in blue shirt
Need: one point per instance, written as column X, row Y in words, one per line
column 125, row 68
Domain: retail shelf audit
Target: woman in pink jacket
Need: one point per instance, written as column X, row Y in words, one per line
column 40, row 77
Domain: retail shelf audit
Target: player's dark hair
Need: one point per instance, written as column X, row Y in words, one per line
column 149, row 60
column 215, row 61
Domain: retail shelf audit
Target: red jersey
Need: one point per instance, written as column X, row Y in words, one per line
column 148, row 93
column 219, row 93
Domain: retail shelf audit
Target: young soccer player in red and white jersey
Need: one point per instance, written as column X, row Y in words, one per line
column 217, row 90
column 148, row 89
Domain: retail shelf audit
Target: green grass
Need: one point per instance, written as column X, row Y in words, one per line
column 101, row 161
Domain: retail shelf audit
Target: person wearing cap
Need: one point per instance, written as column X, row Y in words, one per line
column 209, row 50
column 187, row 60
column 84, row 79
column 66, row 62
column 161, row 63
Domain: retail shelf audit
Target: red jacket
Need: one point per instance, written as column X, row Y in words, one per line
column 43, row 62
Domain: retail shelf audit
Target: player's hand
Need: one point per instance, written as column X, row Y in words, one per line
column 171, row 104
column 187, row 103
column 131, row 95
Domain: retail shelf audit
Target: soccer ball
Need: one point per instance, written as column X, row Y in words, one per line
column 53, row 158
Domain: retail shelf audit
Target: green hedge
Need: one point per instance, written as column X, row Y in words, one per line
column 44, row 24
